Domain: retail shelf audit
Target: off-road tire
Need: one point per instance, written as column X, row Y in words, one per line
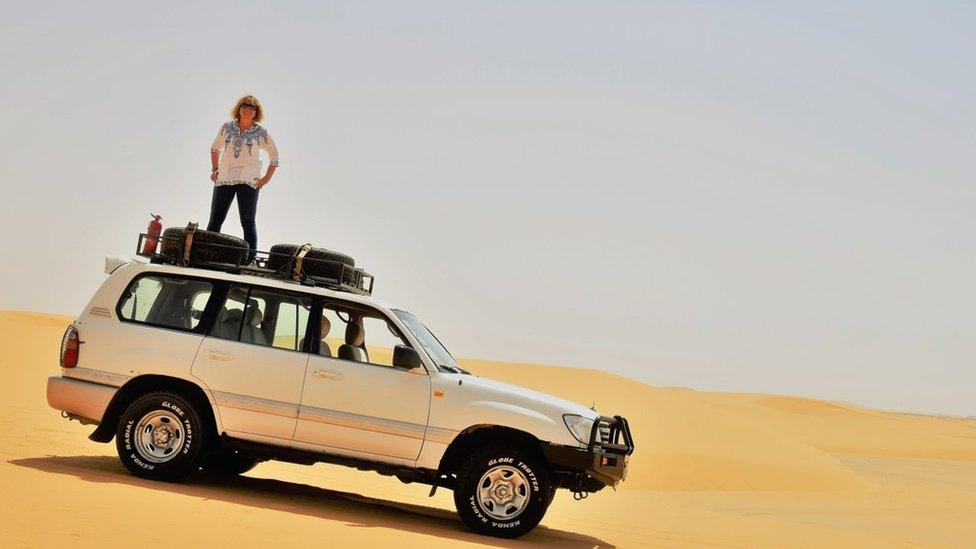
column 208, row 247
column 225, row 463
column 317, row 262
column 551, row 494
column 179, row 455
column 476, row 515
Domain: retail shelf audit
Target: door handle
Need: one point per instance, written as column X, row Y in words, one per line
column 327, row 374
column 217, row 355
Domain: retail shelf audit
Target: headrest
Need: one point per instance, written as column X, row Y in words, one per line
column 355, row 335
column 254, row 315
column 325, row 326
column 233, row 315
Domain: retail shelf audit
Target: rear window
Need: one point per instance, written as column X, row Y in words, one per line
column 167, row 301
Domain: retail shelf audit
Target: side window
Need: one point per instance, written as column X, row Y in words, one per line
column 331, row 330
column 142, row 294
column 379, row 340
column 291, row 320
column 231, row 316
column 169, row 301
column 356, row 335
column 263, row 317
column 197, row 305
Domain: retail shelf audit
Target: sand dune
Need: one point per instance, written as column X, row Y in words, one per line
column 716, row 469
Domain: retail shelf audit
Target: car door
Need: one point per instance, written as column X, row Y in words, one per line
column 253, row 361
column 359, row 401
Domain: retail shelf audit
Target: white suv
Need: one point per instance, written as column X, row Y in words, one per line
column 200, row 369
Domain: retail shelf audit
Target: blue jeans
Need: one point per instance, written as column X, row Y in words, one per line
column 247, row 206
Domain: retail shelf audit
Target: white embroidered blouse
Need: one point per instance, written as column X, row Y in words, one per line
column 240, row 160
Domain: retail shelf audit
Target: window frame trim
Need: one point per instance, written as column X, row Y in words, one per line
column 230, row 284
column 321, row 303
column 449, row 353
column 202, row 326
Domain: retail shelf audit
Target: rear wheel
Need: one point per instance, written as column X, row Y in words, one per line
column 502, row 492
column 550, row 495
column 160, row 437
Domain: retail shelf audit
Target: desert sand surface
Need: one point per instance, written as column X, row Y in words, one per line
column 711, row 469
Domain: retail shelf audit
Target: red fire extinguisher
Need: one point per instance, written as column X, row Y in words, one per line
column 152, row 235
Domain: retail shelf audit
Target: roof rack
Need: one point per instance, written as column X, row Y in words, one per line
column 350, row 279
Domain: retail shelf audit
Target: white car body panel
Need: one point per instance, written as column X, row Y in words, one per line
column 274, row 396
column 360, row 406
column 257, row 389
column 114, row 352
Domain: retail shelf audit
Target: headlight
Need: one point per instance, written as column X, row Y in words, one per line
column 579, row 426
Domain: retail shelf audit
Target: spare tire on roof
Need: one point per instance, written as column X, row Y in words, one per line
column 207, row 247
column 317, row 262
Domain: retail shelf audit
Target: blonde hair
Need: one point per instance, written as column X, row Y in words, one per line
column 235, row 113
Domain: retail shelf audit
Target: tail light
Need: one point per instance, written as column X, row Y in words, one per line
column 69, row 348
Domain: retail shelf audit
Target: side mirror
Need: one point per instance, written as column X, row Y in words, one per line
column 406, row 357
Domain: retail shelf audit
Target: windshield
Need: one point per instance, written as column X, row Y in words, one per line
column 430, row 343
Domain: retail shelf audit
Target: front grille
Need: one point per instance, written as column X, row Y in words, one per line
column 604, row 433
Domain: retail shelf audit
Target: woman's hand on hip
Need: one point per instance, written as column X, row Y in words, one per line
column 213, row 176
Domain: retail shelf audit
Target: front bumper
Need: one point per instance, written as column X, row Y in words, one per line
column 83, row 400
column 602, row 463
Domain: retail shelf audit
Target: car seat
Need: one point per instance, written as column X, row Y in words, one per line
column 324, row 349
column 252, row 333
column 230, row 326
column 353, row 348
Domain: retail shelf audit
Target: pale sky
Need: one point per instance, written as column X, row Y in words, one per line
column 748, row 196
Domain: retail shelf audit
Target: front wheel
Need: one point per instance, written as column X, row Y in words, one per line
column 502, row 493
column 160, row 437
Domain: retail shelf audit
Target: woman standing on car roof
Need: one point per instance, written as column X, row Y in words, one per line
column 236, row 167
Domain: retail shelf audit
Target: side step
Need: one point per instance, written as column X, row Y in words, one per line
column 304, row 457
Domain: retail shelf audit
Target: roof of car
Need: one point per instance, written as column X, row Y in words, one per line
column 262, row 281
